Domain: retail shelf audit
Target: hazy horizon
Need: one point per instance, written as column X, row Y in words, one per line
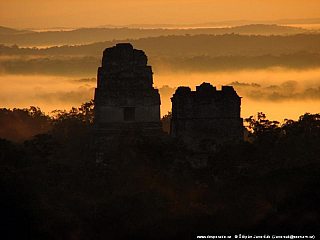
column 273, row 58
column 75, row 14
column 303, row 23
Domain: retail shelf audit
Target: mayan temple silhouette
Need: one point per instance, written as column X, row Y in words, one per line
column 127, row 104
column 206, row 118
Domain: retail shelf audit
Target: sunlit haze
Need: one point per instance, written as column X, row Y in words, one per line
column 71, row 13
column 279, row 78
column 51, row 92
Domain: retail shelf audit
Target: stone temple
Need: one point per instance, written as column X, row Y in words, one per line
column 127, row 105
column 125, row 99
column 206, row 118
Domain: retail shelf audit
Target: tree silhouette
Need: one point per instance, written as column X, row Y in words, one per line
column 261, row 129
column 151, row 185
column 20, row 124
column 166, row 120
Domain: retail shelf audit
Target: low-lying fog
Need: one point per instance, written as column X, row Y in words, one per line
column 280, row 93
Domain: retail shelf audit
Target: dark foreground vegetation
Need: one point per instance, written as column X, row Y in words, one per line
column 51, row 187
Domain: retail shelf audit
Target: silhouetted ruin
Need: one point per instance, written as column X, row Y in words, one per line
column 126, row 104
column 125, row 100
column 206, row 118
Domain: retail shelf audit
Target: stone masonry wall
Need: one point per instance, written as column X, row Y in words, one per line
column 206, row 118
column 125, row 98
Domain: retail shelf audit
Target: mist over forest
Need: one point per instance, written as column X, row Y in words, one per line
column 277, row 54
column 52, row 187
column 213, row 45
column 200, row 53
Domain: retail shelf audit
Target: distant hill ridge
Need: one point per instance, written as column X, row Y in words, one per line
column 221, row 23
column 11, row 31
column 89, row 35
column 202, row 44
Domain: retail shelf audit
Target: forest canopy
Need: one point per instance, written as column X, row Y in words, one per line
column 51, row 182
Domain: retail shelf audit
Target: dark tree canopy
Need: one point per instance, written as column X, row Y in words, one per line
column 52, row 188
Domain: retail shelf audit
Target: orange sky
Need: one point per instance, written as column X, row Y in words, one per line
column 79, row 13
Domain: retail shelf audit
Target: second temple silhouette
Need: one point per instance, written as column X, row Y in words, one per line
column 126, row 103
